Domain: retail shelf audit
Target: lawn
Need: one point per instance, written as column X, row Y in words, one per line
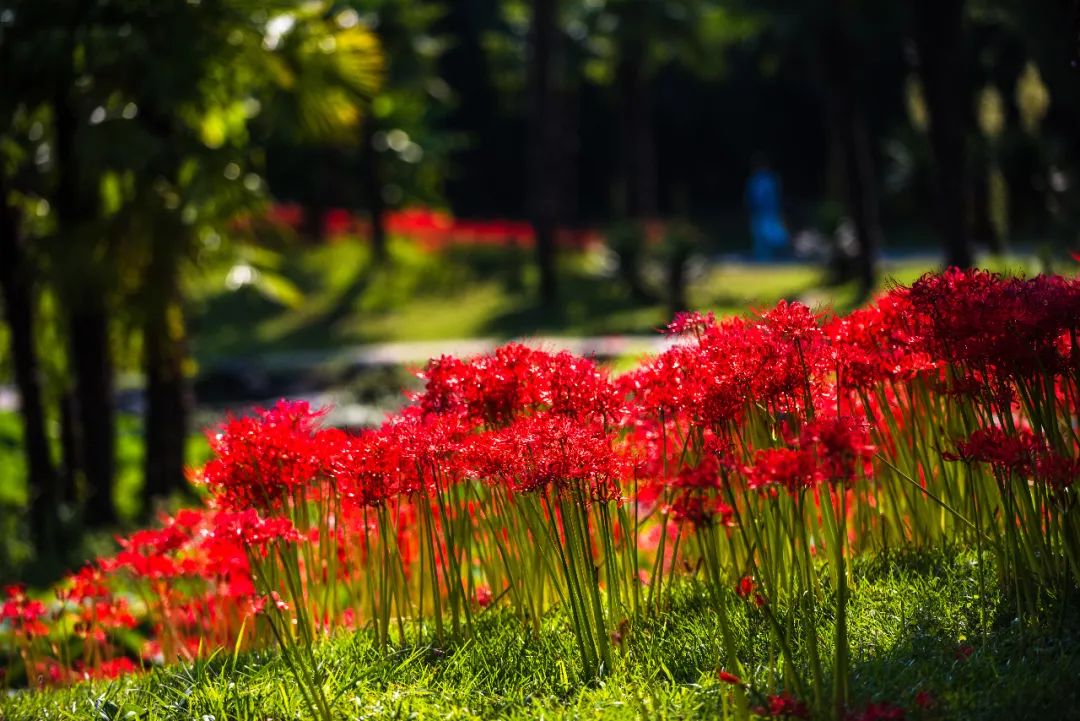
column 923, row 639
column 335, row 296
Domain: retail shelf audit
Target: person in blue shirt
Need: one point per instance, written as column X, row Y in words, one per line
column 763, row 202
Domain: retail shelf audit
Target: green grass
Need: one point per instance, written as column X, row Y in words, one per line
column 338, row 297
column 909, row 615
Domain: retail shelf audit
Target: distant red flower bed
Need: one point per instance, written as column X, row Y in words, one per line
column 757, row 457
column 431, row 229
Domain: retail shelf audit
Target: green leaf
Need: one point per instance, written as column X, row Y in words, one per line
column 279, row 289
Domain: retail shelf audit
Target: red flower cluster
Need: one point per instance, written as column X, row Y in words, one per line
column 784, row 706
column 514, row 467
column 1016, row 327
column 431, row 229
column 26, row 615
column 515, row 380
column 259, row 459
column 550, row 451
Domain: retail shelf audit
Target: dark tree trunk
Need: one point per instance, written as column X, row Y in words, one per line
column 677, row 284
column 638, row 146
column 983, row 230
column 71, row 462
column 167, row 395
column 317, row 203
column 91, row 363
column 168, row 400
column 373, row 185
column 543, row 143
column 570, row 147
column 88, row 323
column 16, row 285
column 848, row 121
column 938, row 30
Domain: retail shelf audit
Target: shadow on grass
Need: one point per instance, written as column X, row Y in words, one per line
column 586, row 305
column 923, row 626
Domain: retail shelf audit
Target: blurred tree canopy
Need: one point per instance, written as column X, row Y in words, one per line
column 133, row 136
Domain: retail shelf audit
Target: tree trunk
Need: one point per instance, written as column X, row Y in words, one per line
column 638, row 146
column 71, row 463
column 372, row 178
column 938, row 30
column 16, row 285
column 88, row 324
column 677, row 284
column 983, row 230
column 91, row 362
column 848, row 121
column 570, row 154
column 168, row 400
column 543, row 139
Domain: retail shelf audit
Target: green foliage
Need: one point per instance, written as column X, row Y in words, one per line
column 18, row 560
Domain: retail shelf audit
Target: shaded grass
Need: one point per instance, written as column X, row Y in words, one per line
column 466, row 293
column 912, row 619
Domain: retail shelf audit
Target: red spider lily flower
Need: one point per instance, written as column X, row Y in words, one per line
column 877, row 343
column 621, row 632
column 49, row 672
column 1012, row 451
column 772, row 362
column 842, row 445
column 483, row 596
column 745, row 587
column 250, row 529
column 288, row 214
column 700, row 510
column 155, row 566
column 261, row 458
column 257, row 605
column 727, row 677
column 515, row 380
column 337, row 221
column 783, row 705
column 792, row 322
column 832, row 449
column 87, row 583
column 1020, row 452
column 23, row 613
column 925, row 700
column 691, row 323
column 789, row 468
column 115, row 668
column 880, row 711
column 964, row 652
column 1011, row 325
column 97, row 617
column 373, row 467
column 1056, row 471
column 536, row 452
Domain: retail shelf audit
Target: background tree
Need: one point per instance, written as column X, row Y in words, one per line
column 938, row 30
column 153, row 149
column 543, row 161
